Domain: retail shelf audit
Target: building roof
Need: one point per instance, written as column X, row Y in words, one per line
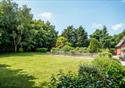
column 121, row 42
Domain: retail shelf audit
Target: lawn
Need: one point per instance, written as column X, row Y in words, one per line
column 26, row 70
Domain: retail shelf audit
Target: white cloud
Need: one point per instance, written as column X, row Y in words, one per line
column 119, row 26
column 45, row 15
column 123, row 1
column 95, row 26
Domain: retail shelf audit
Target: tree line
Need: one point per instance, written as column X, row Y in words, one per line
column 19, row 31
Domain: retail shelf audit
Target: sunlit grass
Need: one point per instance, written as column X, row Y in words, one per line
column 41, row 66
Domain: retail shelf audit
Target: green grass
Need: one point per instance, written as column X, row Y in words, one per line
column 25, row 70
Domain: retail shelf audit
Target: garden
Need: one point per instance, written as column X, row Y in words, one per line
column 35, row 54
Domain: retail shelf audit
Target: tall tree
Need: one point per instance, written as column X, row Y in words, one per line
column 70, row 35
column 119, row 36
column 8, row 23
column 94, row 45
column 14, row 22
column 45, row 34
column 24, row 18
column 81, row 37
column 103, row 37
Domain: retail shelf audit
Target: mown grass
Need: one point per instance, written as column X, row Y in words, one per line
column 25, row 70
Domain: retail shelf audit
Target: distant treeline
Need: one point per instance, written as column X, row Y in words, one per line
column 19, row 32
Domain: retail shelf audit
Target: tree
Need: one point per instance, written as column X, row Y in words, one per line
column 25, row 19
column 94, row 45
column 45, row 35
column 14, row 21
column 81, row 37
column 19, row 30
column 103, row 37
column 96, row 34
column 69, row 34
column 119, row 36
column 17, row 37
column 8, row 23
column 77, row 37
column 61, row 42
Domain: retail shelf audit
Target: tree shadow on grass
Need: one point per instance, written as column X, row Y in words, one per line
column 15, row 78
column 2, row 55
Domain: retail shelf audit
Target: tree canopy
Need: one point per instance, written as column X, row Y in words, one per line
column 19, row 31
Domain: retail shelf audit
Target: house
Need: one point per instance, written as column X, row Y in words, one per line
column 120, row 47
column 120, row 51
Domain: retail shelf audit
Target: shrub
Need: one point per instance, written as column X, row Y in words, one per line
column 87, row 77
column 104, row 72
column 21, row 50
column 54, row 50
column 83, row 50
column 41, row 50
column 114, row 71
column 67, row 48
column 105, row 53
column 93, row 46
column 61, row 42
column 80, row 50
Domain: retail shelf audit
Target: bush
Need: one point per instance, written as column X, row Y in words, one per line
column 73, row 52
column 61, row 42
column 87, row 77
column 67, row 48
column 94, row 46
column 21, row 50
column 105, row 53
column 54, row 50
column 114, row 71
column 82, row 50
column 79, row 50
column 104, row 72
column 41, row 50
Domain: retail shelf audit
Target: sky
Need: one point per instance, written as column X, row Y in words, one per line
column 91, row 14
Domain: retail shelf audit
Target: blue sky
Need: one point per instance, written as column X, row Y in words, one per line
column 91, row 14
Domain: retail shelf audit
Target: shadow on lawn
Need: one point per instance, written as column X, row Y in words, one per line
column 20, row 54
column 14, row 78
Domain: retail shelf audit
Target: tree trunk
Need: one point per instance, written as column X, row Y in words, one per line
column 15, row 48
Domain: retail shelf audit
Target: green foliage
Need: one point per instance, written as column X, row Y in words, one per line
column 18, row 29
column 87, row 77
column 61, row 42
column 21, row 50
column 94, row 46
column 54, row 50
column 69, row 34
column 105, row 53
column 114, row 71
column 81, row 37
column 41, row 50
column 103, row 37
column 76, row 37
column 119, row 36
column 81, row 50
column 104, row 72
column 45, row 35
column 67, row 48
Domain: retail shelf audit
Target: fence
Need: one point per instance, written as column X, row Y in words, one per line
column 75, row 54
